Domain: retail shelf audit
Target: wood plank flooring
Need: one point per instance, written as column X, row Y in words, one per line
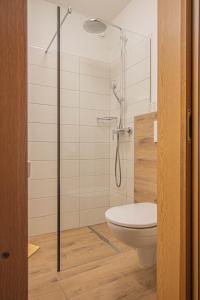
column 95, row 266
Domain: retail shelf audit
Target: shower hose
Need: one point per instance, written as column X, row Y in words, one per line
column 118, row 171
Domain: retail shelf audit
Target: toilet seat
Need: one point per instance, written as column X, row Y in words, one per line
column 138, row 216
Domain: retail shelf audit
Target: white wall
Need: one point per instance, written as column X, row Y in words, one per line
column 140, row 16
column 87, row 148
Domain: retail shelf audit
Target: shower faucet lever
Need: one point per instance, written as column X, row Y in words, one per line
column 117, row 131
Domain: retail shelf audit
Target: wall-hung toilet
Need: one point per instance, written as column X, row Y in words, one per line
column 136, row 225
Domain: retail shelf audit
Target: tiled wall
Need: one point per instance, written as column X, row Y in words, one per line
column 85, row 95
column 137, row 74
column 87, row 147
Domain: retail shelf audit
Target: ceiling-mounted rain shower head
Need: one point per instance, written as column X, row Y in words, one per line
column 95, row 26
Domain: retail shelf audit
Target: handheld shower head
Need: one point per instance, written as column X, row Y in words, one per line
column 114, row 88
column 114, row 84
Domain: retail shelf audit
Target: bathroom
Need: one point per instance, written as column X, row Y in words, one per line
column 106, row 94
column 101, row 170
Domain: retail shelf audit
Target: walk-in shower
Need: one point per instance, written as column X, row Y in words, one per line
column 98, row 26
column 88, row 78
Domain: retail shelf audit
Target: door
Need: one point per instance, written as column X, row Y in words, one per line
column 174, row 150
column 13, row 152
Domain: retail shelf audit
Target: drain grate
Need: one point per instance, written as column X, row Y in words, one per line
column 104, row 239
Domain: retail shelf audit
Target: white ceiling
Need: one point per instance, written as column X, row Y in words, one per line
column 104, row 9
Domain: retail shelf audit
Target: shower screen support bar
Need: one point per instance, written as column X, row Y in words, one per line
column 69, row 11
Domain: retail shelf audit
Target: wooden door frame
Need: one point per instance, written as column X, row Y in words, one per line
column 174, row 150
column 196, row 150
column 13, row 151
column 173, row 102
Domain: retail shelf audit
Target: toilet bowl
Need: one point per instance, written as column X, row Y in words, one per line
column 136, row 226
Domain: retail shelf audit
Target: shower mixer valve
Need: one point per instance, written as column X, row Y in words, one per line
column 117, row 131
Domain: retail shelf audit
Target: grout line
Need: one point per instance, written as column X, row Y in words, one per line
column 137, row 82
column 102, row 110
column 69, row 71
column 71, row 159
column 137, row 63
column 68, row 89
column 104, row 239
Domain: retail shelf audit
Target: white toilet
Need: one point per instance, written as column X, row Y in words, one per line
column 136, row 226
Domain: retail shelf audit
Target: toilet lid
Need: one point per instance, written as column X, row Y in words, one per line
column 140, row 215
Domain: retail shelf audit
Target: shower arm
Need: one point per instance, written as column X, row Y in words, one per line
column 69, row 11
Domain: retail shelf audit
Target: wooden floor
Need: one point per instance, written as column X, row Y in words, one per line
column 95, row 266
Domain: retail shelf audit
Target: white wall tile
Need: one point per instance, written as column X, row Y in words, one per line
column 138, row 92
column 94, row 200
column 123, row 167
column 69, row 220
column 137, row 109
column 90, row 184
column 130, row 188
column 92, row 216
column 115, row 189
column 94, row 85
column 69, row 150
column 37, row 56
column 47, row 224
column 42, row 94
column 43, row 169
column 129, row 200
column 69, row 62
column 94, row 101
column 69, row 133
column 38, row 132
column 70, row 185
column 94, row 68
column 89, row 117
column 137, row 52
column 115, row 67
column 69, row 115
column 90, row 134
column 94, row 167
column 42, row 207
column 130, row 169
column 70, row 202
column 94, row 150
column 42, row 76
column 69, row 168
column 42, row 113
column 42, row 151
column 117, row 199
column 42, row 225
column 41, row 188
column 69, row 98
column 138, row 72
column 69, row 80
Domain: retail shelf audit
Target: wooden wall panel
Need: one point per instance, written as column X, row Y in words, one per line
column 145, row 159
column 13, row 153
